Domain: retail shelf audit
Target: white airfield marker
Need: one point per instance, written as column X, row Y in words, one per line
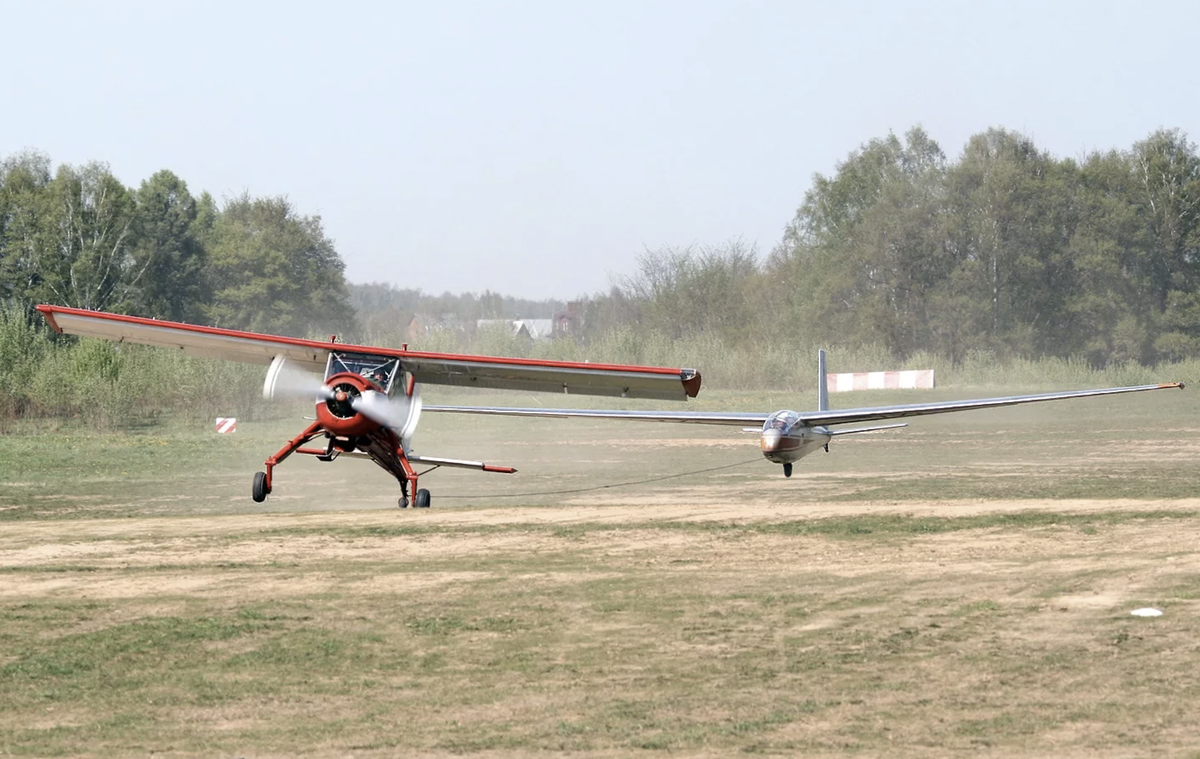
column 1147, row 612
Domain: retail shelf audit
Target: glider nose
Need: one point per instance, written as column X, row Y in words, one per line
column 770, row 441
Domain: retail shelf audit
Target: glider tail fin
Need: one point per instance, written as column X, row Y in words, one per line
column 822, row 383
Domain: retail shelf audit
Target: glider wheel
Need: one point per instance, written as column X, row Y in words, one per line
column 403, row 502
column 259, row 491
column 422, row 499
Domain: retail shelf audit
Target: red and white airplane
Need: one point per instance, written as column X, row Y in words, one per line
column 369, row 402
column 787, row 436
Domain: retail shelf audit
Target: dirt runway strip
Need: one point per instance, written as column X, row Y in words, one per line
column 456, row 532
column 608, row 630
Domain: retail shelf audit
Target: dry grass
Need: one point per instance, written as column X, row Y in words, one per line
column 925, row 593
column 601, row 631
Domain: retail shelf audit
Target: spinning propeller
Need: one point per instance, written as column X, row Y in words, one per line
column 286, row 380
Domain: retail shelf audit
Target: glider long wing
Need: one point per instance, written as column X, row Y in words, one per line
column 812, row 418
column 859, row 415
column 491, row 372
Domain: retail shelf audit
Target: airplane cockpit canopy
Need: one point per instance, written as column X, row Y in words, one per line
column 381, row 370
column 781, row 420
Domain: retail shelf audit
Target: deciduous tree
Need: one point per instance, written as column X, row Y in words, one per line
column 274, row 270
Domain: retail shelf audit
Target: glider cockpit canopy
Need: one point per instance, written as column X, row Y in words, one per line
column 782, row 421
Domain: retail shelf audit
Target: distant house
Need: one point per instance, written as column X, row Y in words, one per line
column 567, row 323
column 509, row 325
column 539, row 329
column 530, row 329
column 420, row 325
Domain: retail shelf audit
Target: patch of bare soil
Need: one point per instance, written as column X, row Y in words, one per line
column 50, row 541
column 197, row 546
column 1040, row 588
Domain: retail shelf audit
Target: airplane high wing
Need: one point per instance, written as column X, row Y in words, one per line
column 428, row 368
column 369, row 401
column 787, row 436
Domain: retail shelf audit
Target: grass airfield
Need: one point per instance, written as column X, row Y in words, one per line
column 960, row 585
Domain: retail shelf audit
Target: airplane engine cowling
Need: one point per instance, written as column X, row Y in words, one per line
column 341, row 412
column 356, row 406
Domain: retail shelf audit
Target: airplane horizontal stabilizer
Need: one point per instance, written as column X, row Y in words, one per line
column 460, row 464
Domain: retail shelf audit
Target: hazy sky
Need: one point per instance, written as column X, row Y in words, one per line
column 534, row 148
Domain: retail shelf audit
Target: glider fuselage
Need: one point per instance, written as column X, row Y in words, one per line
column 785, row 439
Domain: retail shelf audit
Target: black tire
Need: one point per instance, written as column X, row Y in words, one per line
column 787, row 470
column 422, row 499
column 259, row 491
column 403, row 502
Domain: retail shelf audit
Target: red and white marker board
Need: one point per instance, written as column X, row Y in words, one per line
column 226, row 424
column 903, row 380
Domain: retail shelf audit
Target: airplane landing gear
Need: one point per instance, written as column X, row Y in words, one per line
column 787, row 470
column 259, row 491
column 420, row 500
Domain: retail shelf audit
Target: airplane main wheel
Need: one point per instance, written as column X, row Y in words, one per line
column 422, row 499
column 259, row 491
column 787, row 470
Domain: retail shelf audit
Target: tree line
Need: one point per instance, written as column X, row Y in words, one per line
column 384, row 310
column 1007, row 250
column 1006, row 259
column 77, row 236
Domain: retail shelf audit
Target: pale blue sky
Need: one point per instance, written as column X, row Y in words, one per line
column 534, row 148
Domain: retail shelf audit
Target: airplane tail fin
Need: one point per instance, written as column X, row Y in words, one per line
column 822, row 383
